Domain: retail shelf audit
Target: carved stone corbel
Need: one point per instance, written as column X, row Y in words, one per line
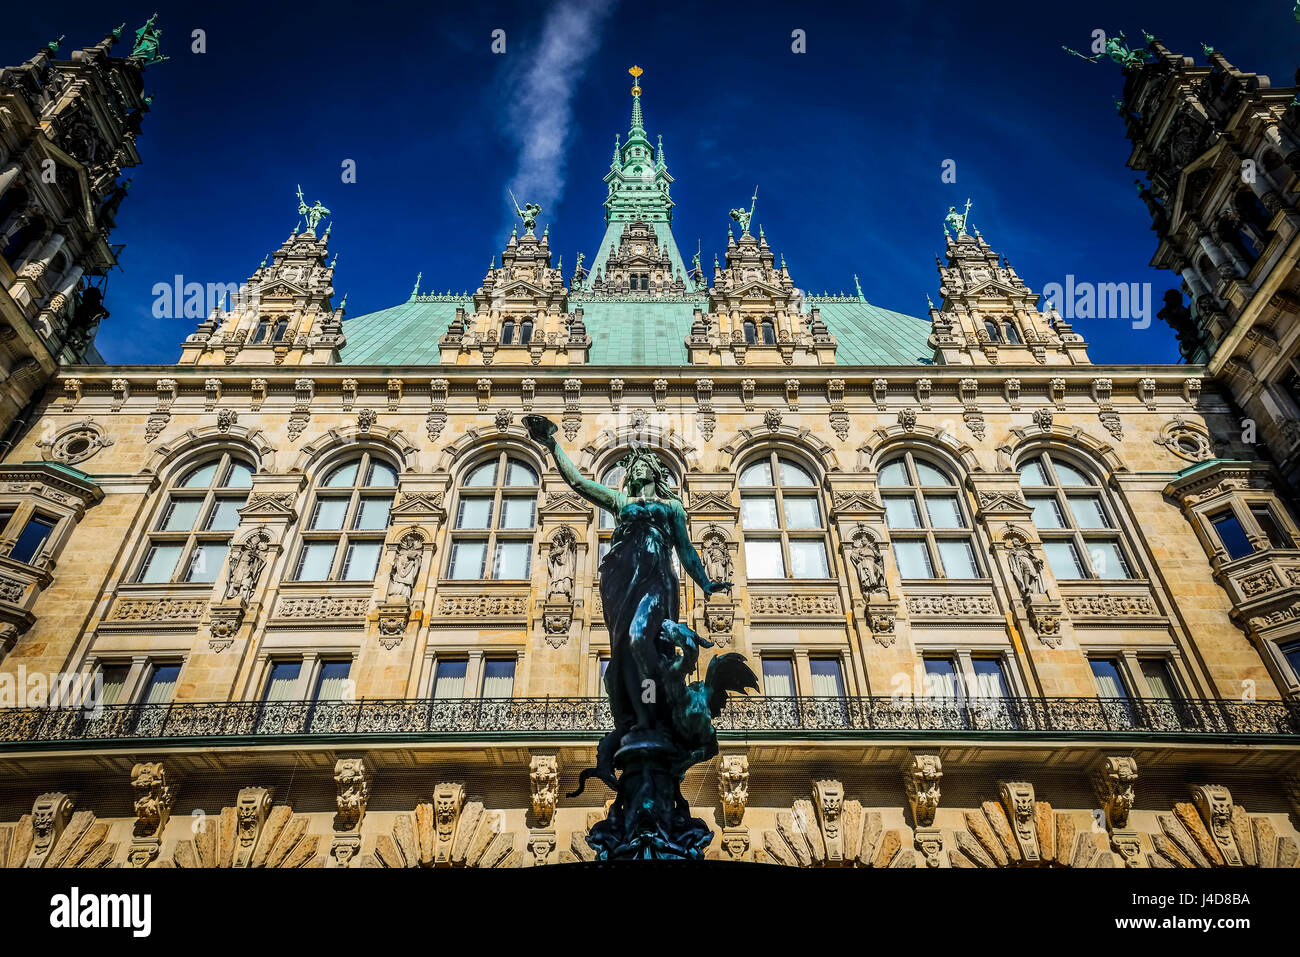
column 1214, row 802
column 1114, row 781
column 829, row 805
column 448, row 799
column 152, row 809
column 250, row 816
column 1018, row 799
column 544, row 783
column 733, row 787
column 352, row 778
column 921, row 780
column 50, row 815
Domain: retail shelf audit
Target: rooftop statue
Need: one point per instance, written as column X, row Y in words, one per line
column 1119, row 51
column 743, row 217
column 956, row 221
column 662, row 724
column 528, row 214
column 146, row 42
column 313, row 214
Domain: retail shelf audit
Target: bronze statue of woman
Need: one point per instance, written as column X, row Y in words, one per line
column 652, row 706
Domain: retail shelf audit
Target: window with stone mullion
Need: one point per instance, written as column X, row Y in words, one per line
column 192, row 533
column 783, row 521
column 351, row 519
column 496, row 522
column 1074, row 521
column 927, row 521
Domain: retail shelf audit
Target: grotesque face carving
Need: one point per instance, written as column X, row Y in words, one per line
column 922, row 783
column 446, row 807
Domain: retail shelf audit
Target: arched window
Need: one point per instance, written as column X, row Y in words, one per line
column 751, row 333
column 1012, row 337
column 260, row 333
column 1080, row 536
column 192, row 533
column 526, row 332
column 785, row 534
column 508, row 332
column 769, row 333
column 281, row 329
column 926, row 515
column 991, row 328
column 495, row 519
column 347, row 522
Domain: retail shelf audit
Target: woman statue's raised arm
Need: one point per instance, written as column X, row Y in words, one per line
column 542, row 431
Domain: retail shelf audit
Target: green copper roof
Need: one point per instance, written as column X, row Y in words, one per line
column 633, row 333
column 402, row 335
column 871, row 336
column 648, row 333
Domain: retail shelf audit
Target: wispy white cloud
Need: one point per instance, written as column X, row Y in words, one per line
column 543, row 106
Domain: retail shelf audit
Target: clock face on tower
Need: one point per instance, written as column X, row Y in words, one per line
column 639, row 249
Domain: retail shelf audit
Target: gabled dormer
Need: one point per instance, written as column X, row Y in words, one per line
column 283, row 315
column 754, row 311
column 520, row 314
column 988, row 316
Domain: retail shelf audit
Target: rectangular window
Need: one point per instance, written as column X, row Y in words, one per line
column 603, row 667
column 808, row 559
column 913, row 560
column 282, row 683
column 958, row 559
column 758, row 511
column 941, row 678
column 1267, row 523
column 449, row 680
column 159, row 563
column 499, row 678
column 205, row 562
column 1291, row 653
column 801, row 512
column 827, row 677
column 373, row 513
column 943, row 511
column 161, row 687
column 225, row 515
column 114, row 683
column 900, row 512
column 1160, row 682
column 1087, row 511
column 316, row 561
column 1064, row 560
column 511, row 560
column 329, row 514
column 31, row 539
column 1047, row 513
column 1110, row 683
column 990, row 681
column 1108, row 560
column 467, row 559
column 778, row 677
column 360, row 561
column 763, row 559
column 517, row 512
column 332, row 682
column 180, row 515
column 1231, row 534
column 475, row 513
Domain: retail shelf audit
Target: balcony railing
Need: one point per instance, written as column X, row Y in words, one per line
column 490, row 716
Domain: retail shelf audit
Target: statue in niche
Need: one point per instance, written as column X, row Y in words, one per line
column 1027, row 570
column 662, row 725
column 560, row 564
column 246, row 566
column 869, row 563
column 406, row 568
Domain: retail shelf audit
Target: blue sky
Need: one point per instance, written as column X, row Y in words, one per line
column 845, row 141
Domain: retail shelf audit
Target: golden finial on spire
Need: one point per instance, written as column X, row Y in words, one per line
column 636, row 72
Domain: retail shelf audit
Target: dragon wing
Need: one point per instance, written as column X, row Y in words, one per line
column 727, row 673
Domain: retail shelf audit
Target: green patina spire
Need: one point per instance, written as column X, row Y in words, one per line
column 858, row 286
column 147, row 40
column 418, row 276
column 637, row 129
column 639, row 188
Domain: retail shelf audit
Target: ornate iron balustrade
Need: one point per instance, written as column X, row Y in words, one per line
column 488, row 716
